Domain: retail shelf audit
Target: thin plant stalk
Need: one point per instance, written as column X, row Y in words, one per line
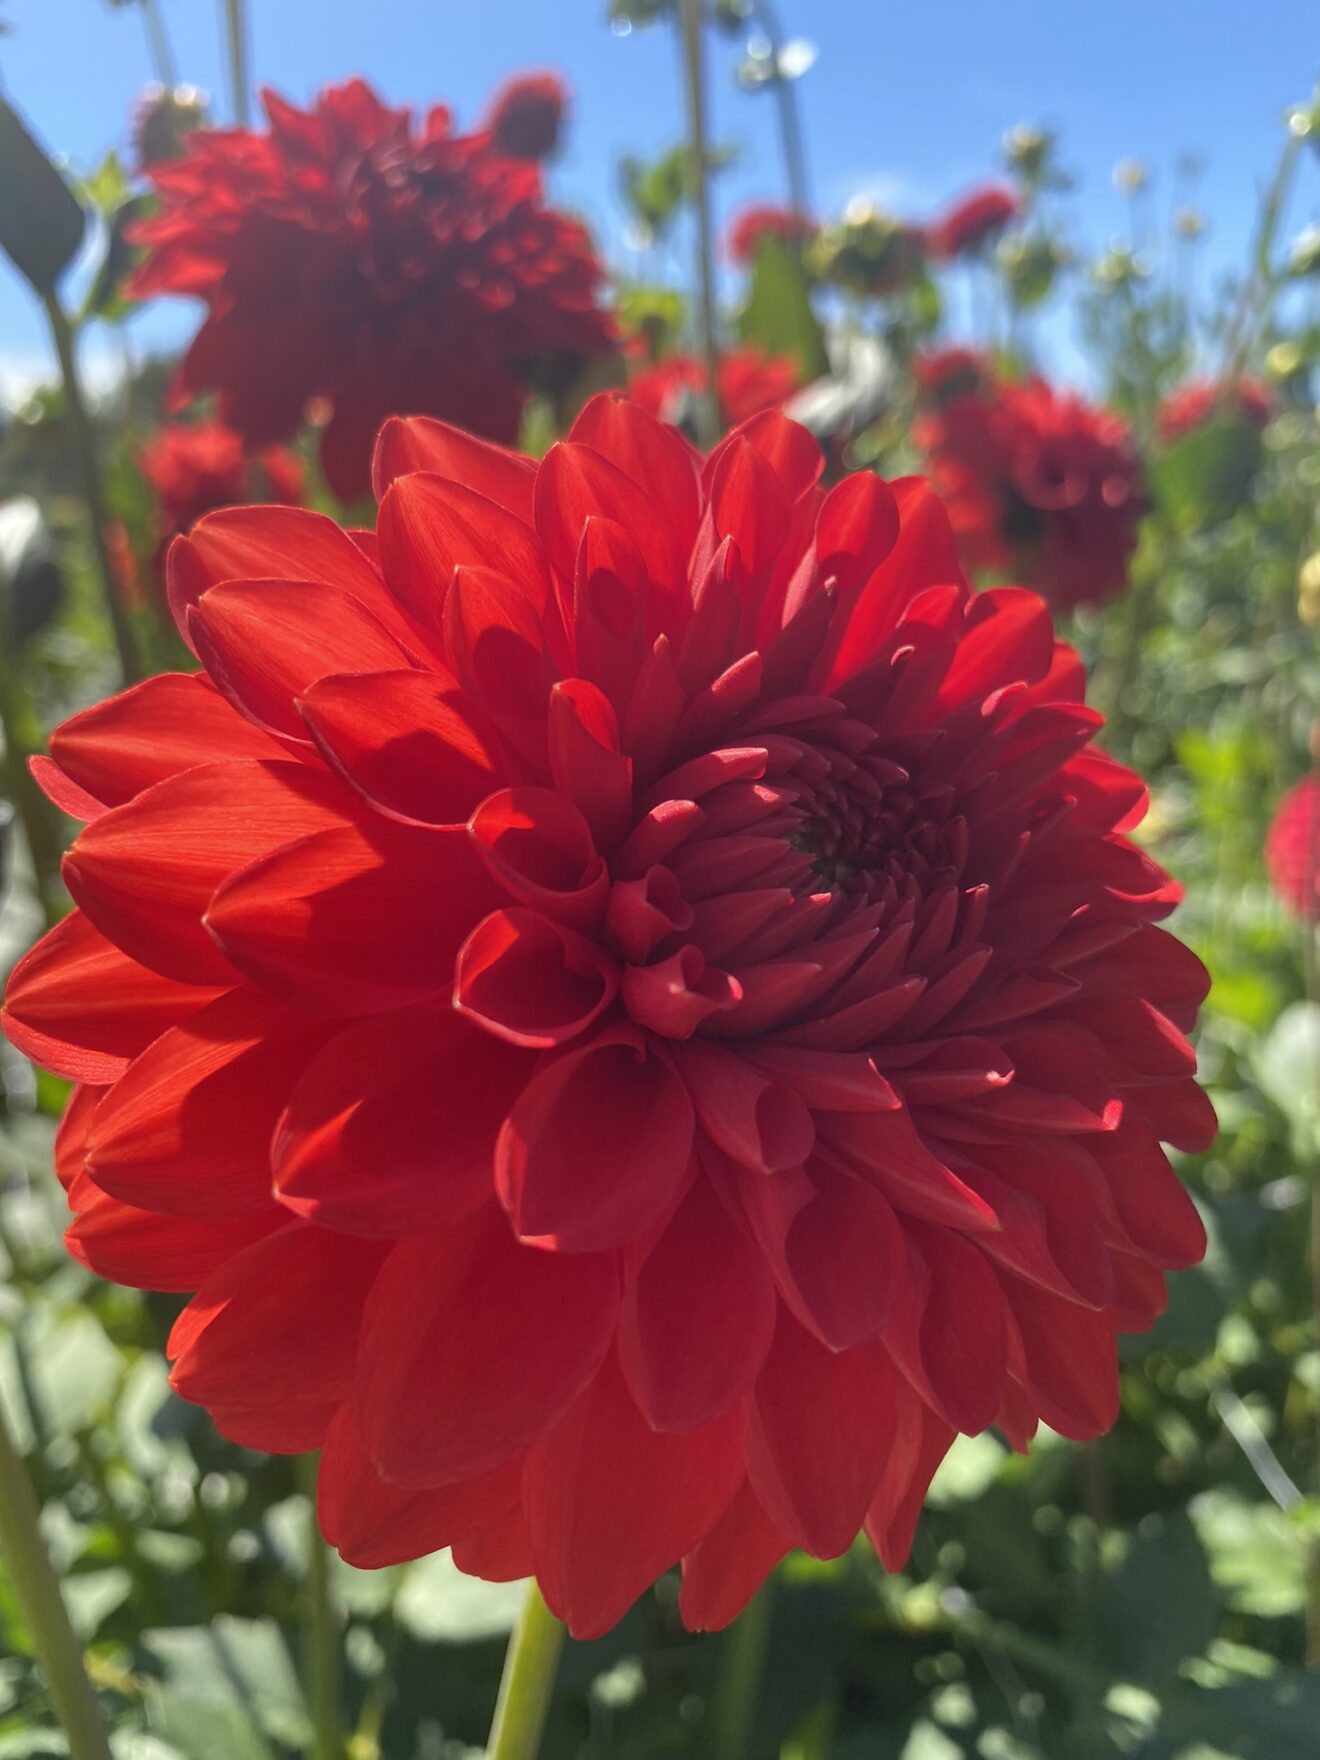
column 321, row 1639
column 89, row 465
column 38, row 1593
column 158, row 43
column 742, row 1665
column 528, row 1683
column 236, row 37
column 35, row 814
column 694, row 84
column 790, row 124
column 1311, row 971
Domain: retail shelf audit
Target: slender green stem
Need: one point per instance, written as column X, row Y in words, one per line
column 89, row 464
column 37, row 1589
column 236, row 35
column 35, row 813
column 528, row 1682
column 790, row 125
column 158, row 42
column 742, row 1663
column 320, row 1633
column 1311, row 971
column 694, row 83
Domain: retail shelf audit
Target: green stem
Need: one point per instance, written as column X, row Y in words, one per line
column 236, row 35
column 320, row 1632
column 38, row 818
column 742, row 1663
column 37, row 1589
column 158, row 42
column 528, row 1682
column 89, row 464
column 694, row 84
column 790, row 126
column 1311, row 971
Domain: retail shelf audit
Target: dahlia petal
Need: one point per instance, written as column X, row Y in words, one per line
column 499, row 1553
column 746, row 504
column 1178, row 1112
column 611, row 1504
column 949, row 1329
column 892, row 1519
column 762, row 1123
column 80, row 1008
column 1155, row 1207
column 355, row 919
column 413, row 747
column 609, row 608
column 144, row 873
column 428, row 526
column 856, row 528
column 1070, row 1360
column 531, row 980
column 729, row 1563
column 496, row 644
column 698, row 1316
column 265, row 642
column 264, row 543
column 63, row 792
column 539, row 847
column 169, row 723
column 420, row 443
column 390, row 1129
column 835, row 1081
column 576, row 483
column 373, row 1524
column 1009, row 638
column 818, row 1495
column 268, row 1342
column 585, row 761
column 186, row 1130
column 675, row 996
column 836, row 1247
column 501, row 1337
column 885, row 1148
column 146, row 1250
column 791, row 450
column 597, row 1147
column 654, row 455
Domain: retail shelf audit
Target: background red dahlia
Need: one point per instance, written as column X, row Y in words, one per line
column 353, row 255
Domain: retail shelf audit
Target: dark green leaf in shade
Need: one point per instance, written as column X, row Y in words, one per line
column 41, row 219
column 778, row 316
column 1205, row 477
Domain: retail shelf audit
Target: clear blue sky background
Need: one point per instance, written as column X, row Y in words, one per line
column 907, row 101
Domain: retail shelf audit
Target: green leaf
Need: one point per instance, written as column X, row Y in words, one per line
column 1206, row 476
column 227, row 1691
column 778, row 316
column 41, row 220
column 1160, row 1605
column 437, row 1604
column 1256, row 1554
column 1287, row 1069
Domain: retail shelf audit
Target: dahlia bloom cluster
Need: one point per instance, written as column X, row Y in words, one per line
column 748, row 381
column 972, row 222
column 629, row 994
column 766, row 220
column 1039, row 484
column 1202, row 401
column 1292, row 848
column 352, row 256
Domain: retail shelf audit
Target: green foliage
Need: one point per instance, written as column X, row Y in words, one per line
column 41, row 220
column 779, row 317
column 1205, row 476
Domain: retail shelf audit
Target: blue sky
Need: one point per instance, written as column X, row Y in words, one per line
column 906, row 101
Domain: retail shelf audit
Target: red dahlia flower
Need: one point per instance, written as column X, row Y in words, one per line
column 349, row 255
column 1207, row 400
column 972, row 222
column 526, row 116
column 629, row 995
column 1292, row 848
column 196, row 467
column 766, row 220
column 749, row 382
column 1038, row 483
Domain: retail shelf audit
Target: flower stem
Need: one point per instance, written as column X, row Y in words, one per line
column 37, row 1589
column 790, row 125
column 35, row 813
column 694, row 83
column 1311, row 973
column 236, row 33
column 320, row 1632
column 158, row 43
column 528, row 1682
column 89, row 464
column 742, row 1663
